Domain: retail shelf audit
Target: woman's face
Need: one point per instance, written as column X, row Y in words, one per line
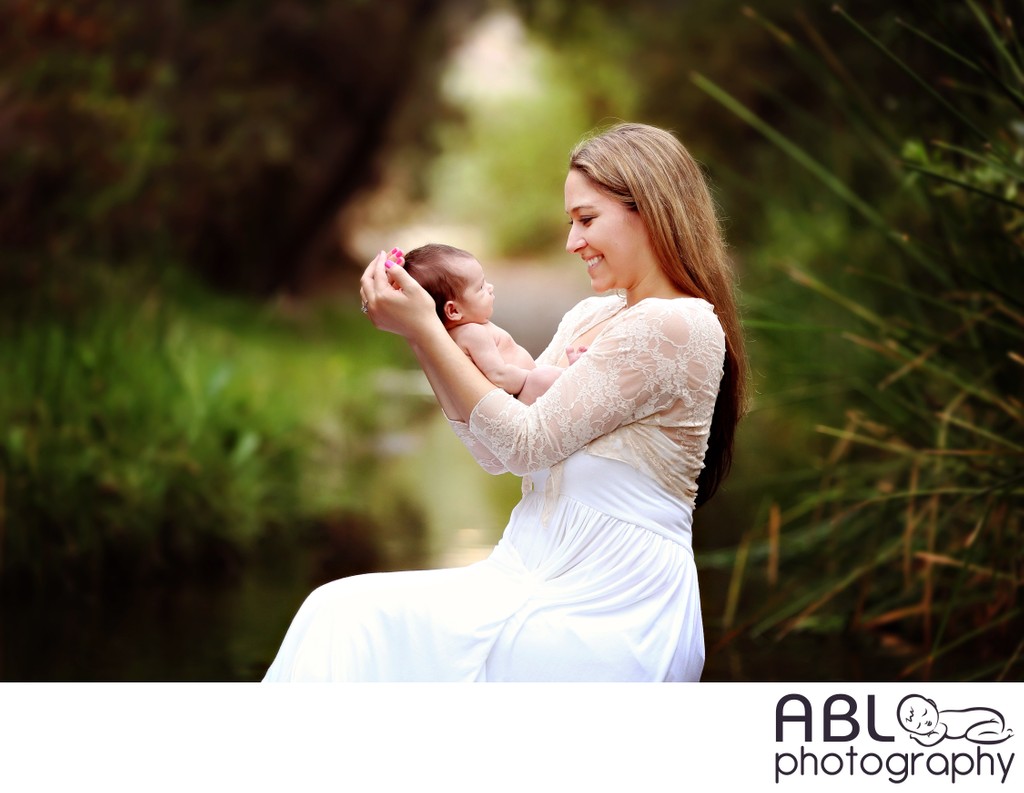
column 611, row 240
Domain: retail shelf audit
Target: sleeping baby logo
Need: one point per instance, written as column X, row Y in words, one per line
column 846, row 736
column 928, row 725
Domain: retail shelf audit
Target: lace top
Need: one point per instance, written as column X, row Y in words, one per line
column 643, row 393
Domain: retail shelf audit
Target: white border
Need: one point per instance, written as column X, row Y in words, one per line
column 448, row 737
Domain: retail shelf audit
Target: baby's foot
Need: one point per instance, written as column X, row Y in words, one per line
column 397, row 257
column 574, row 353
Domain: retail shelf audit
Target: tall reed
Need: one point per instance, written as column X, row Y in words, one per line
column 913, row 533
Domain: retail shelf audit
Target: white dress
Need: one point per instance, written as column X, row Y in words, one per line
column 594, row 577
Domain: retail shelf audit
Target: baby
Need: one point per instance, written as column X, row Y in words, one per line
column 928, row 725
column 465, row 301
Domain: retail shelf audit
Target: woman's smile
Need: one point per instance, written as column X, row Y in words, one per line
column 612, row 241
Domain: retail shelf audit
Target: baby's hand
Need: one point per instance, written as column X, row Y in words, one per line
column 574, row 353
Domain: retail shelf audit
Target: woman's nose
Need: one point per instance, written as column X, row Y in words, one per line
column 574, row 242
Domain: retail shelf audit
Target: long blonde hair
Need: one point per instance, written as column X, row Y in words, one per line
column 650, row 172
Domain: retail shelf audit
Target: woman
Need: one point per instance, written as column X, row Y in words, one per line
column 594, row 577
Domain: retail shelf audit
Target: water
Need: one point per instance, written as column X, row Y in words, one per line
column 195, row 632
column 428, row 505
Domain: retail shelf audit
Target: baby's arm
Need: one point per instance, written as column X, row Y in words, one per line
column 933, row 737
column 539, row 380
column 479, row 344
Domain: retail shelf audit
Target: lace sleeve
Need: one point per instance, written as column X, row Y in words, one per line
column 651, row 357
column 562, row 336
column 481, row 453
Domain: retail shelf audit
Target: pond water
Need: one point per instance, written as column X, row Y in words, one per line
column 229, row 631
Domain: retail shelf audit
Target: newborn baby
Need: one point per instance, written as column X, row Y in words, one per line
column 465, row 301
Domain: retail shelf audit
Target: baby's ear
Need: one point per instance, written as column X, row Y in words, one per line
column 451, row 311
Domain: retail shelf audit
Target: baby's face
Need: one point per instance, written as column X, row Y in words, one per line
column 918, row 715
column 477, row 300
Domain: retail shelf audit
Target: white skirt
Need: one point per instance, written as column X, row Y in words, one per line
column 599, row 584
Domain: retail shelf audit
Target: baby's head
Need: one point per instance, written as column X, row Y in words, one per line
column 917, row 714
column 455, row 279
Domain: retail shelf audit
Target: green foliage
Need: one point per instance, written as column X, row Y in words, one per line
column 227, row 134
column 150, row 428
column 871, row 189
column 504, row 157
column 914, row 531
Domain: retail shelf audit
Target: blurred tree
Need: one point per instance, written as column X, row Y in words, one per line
column 223, row 134
column 228, row 135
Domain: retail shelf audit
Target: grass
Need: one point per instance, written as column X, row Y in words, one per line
column 907, row 525
column 152, row 428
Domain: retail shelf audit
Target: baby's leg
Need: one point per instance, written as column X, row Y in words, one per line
column 991, row 730
column 538, row 381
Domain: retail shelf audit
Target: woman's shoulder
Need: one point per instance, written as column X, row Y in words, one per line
column 678, row 305
column 591, row 308
column 597, row 303
column 679, row 316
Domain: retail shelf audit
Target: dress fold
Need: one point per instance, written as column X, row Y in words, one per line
column 591, row 595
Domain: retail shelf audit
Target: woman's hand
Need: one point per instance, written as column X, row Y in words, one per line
column 393, row 300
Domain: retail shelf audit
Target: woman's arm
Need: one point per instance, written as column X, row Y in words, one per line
column 483, row 456
column 647, row 361
column 398, row 304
